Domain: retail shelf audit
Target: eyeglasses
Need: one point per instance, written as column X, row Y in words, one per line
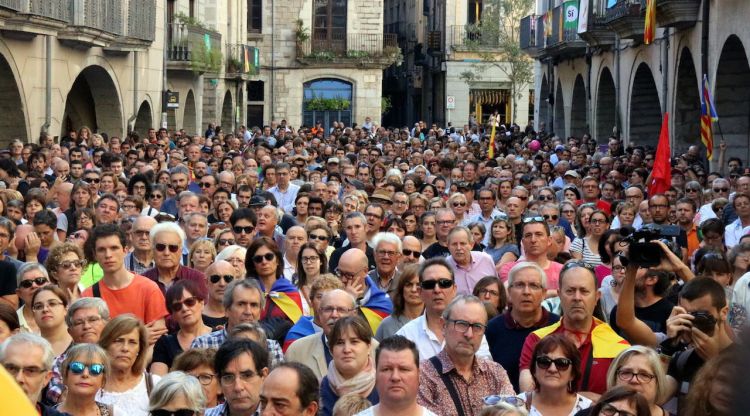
column 215, row 278
column 445, row 222
column 310, row 259
column 485, row 292
column 345, row 275
column 258, row 259
column 430, row 284
column 627, row 375
column 597, row 221
column 70, row 264
column 77, row 367
column 544, row 362
column 463, row 326
column 534, row 287
column 226, row 242
column 386, row 253
column 244, row 376
column 240, row 230
column 93, row 180
column 511, row 400
column 609, row 410
column 31, row 371
column 205, row 185
column 189, row 302
column 179, row 412
column 318, row 237
column 332, row 309
column 545, row 198
column 691, row 190
column 548, row 217
column 414, row 253
column 39, row 281
column 39, row 306
column 721, row 189
column 91, row 320
column 156, row 196
column 172, row 247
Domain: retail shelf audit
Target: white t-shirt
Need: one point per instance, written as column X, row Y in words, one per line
column 133, row 402
column 371, row 412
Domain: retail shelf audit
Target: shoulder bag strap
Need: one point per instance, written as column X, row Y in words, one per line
column 528, row 401
column 96, row 290
column 149, row 383
column 448, row 385
column 587, row 373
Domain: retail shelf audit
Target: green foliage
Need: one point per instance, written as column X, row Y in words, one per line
column 327, row 56
column 327, row 104
column 191, row 21
column 205, row 60
column 357, row 54
column 385, row 104
column 302, row 32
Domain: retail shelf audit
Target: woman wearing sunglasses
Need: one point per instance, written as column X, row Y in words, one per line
column 556, row 369
column 84, row 371
column 65, row 263
column 178, row 394
column 459, row 205
column 185, row 304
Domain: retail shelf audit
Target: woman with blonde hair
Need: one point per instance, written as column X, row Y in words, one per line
column 65, row 264
column 502, row 247
column 84, row 372
column 459, row 205
column 640, row 369
column 202, row 253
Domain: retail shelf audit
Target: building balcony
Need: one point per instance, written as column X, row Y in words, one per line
column 597, row 32
column 193, row 48
column 680, row 14
column 354, row 50
column 626, row 18
column 24, row 19
column 528, row 36
column 471, row 38
column 241, row 61
column 563, row 42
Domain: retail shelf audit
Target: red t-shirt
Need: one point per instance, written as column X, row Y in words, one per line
column 142, row 298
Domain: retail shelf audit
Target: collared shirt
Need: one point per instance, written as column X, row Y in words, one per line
column 390, row 288
column 466, row 278
column 134, row 265
column 223, row 410
column 183, row 273
column 487, row 224
column 734, row 232
column 216, row 338
column 487, row 378
column 428, row 343
column 285, row 199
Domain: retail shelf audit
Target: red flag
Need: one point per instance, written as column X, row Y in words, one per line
column 661, row 177
column 650, row 24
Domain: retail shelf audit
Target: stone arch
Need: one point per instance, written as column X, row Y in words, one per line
column 732, row 99
column 144, row 119
column 606, row 106
column 687, row 105
column 189, row 117
column 227, row 113
column 559, row 117
column 93, row 101
column 578, row 118
column 13, row 122
column 544, row 103
column 645, row 109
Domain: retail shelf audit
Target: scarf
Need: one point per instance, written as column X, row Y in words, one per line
column 361, row 384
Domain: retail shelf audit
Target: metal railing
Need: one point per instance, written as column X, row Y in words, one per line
column 471, row 36
column 560, row 33
column 185, row 40
column 104, row 15
column 528, row 38
column 625, row 8
column 351, row 45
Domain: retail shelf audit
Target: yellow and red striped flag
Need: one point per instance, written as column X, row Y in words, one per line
column 650, row 30
column 708, row 116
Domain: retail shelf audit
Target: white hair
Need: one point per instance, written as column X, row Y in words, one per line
column 527, row 265
column 29, row 338
column 229, row 250
column 167, row 227
column 178, row 383
column 386, row 237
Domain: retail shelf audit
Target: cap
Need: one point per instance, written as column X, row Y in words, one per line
column 559, row 147
column 356, row 184
column 573, row 174
column 333, row 160
column 258, row 201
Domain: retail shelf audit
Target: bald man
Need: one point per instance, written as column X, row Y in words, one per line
column 295, row 238
column 411, row 251
column 352, row 270
column 218, row 275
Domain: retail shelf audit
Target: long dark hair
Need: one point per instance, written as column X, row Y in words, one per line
column 254, row 247
column 301, row 275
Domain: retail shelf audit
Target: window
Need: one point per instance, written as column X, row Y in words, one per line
column 254, row 16
column 475, row 11
column 329, row 25
column 255, row 91
column 323, row 110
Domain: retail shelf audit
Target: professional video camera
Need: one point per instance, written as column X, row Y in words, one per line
column 642, row 251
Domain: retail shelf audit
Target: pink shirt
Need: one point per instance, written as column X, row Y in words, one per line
column 552, row 271
column 466, row 278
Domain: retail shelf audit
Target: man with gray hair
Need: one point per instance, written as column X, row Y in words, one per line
column 411, row 251
column 28, row 359
column 179, row 177
column 141, row 258
column 243, row 302
column 387, row 256
column 468, row 266
column 506, row 333
column 187, row 202
column 284, row 191
column 463, row 324
column 167, row 240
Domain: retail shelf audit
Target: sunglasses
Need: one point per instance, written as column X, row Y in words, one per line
column 71, row 264
column 172, row 247
column 226, row 242
column 39, row 281
column 553, row 217
column 189, row 302
column 180, row 412
column 257, row 259
column 721, row 189
column 545, row 362
column 239, row 230
column 215, row 278
column 430, row 284
column 93, row 180
column 77, row 367
column 156, row 196
column 318, row 237
column 413, row 253
column 205, row 185
column 459, row 204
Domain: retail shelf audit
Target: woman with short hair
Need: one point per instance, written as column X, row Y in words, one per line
column 199, row 363
column 84, row 372
column 640, row 369
column 201, row 255
column 65, row 264
column 176, row 392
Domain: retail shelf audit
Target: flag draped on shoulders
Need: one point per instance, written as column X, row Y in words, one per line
column 287, row 299
column 301, row 329
column 375, row 307
column 708, row 116
column 661, row 177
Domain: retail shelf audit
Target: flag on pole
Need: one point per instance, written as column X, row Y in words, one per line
column 661, row 177
column 708, row 116
column 491, row 150
column 650, row 29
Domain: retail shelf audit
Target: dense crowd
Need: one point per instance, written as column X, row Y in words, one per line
column 370, row 271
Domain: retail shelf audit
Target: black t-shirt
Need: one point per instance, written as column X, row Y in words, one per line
column 655, row 316
column 214, row 323
column 7, row 278
column 166, row 349
column 436, row 250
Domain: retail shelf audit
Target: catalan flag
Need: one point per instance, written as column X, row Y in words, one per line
column 301, row 329
column 246, row 60
column 283, row 301
column 650, row 29
column 708, row 116
column 376, row 305
column 491, row 150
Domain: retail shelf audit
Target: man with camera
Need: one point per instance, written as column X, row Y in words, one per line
column 658, row 207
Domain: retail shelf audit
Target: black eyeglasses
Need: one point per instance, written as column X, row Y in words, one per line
column 172, row 247
column 239, row 230
column 318, row 237
column 430, row 284
column 39, row 281
column 257, row 259
column 721, row 189
column 609, row 410
column 215, row 278
column 205, row 185
column 553, row 217
column 93, row 180
column 416, row 254
column 180, row 412
column 544, row 362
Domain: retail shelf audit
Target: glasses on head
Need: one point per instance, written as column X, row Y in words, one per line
column 189, row 302
column 71, row 264
column 497, row 399
column 609, row 410
column 627, row 375
column 318, row 237
column 258, row 258
column 31, row 371
column 215, row 278
column 529, row 220
column 77, row 367
column 174, row 248
column 545, row 362
column 576, row 263
column 240, row 230
column 462, row 326
column 39, row 281
column 413, row 253
column 441, row 283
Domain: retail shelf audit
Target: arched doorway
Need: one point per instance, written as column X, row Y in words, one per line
column 559, row 122
column 687, row 105
column 645, row 110
column 144, row 119
column 732, row 97
column 93, row 101
column 12, row 115
column 578, row 122
column 189, row 116
column 327, row 100
column 606, row 106
column 543, row 104
column 227, row 113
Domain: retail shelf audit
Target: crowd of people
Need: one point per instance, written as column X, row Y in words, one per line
column 360, row 270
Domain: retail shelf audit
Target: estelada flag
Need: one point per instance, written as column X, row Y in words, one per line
column 376, row 306
column 283, row 300
column 650, row 29
column 661, row 177
column 708, row 116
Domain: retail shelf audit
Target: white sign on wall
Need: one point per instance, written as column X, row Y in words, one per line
column 450, row 102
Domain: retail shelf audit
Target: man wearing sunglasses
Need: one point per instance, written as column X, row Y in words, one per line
column 218, row 275
column 437, row 290
column 411, row 251
column 720, row 189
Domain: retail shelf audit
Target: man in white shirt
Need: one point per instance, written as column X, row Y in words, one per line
column 285, row 192
column 719, row 189
column 741, row 226
column 438, row 289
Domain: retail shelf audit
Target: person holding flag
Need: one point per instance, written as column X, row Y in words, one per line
column 661, row 177
column 708, row 116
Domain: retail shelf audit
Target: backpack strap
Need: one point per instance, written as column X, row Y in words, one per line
column 448, row 385
column 97, row 291
column 587, row 373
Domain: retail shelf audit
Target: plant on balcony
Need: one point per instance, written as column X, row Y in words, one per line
column 394, row 55
column 203, row 59
column 302, row 32
column 327, row 104
column 234, row 65
column 188, row 20
column 385, row 104
column 357, row 54
column 327, row 56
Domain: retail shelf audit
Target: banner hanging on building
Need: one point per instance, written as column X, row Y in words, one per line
column 583, row 17
column 570, row 8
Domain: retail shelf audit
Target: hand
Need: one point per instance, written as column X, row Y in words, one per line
column 679, row 323
column 669, row 261
column 706, row 346
column 155, row 330
column 355, row 288
column 33, row 244
column 723, row 146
